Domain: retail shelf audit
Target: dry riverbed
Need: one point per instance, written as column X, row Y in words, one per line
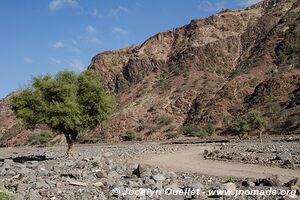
column 102, row 171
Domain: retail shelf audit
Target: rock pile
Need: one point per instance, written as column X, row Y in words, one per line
column 285, row 155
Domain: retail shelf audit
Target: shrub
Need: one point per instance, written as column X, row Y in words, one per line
column 40, row 139
column 240, row 127
column 257, row 120
column 201, row 133
column 292, row 121
column 139, row 138
column 95, row 164
column 5, row 195
column 210, row 129
column 250, row 121
column 171, row 135
column 274, row 110
column 231, row 180
column 164, row 120
column 193, row 131
column 128, row 136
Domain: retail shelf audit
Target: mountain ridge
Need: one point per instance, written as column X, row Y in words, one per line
column 209, row 71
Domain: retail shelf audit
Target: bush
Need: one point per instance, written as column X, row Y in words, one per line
column 250, row 121
column 240, row 127
column 40, row 139
column 164, row 120
column 4, row 195
column 128, row 136
column 95, row 164
column 210, row 129
column 139, row 138
column 292, row 121
column 171, row 135
column 193, row 131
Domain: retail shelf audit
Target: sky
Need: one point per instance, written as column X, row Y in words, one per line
column 45, row 36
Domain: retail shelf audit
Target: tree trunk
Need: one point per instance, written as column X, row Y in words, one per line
column 260, row 136
column 71, row 139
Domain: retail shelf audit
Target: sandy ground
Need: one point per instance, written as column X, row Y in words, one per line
column 191, row 160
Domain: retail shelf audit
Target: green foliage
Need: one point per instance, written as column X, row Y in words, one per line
column 210, row 129
column 250, row 121
column 295, row 96
column 274, row 110
column 139, row 138
column 5, row 195
column 292, row 121
column 164, row 120
column 231, row 180
column 40, row 139
column 95, row 164
column 67, row 102
column 193, row 131
column 110, row 197
column 240, row 127
column 128, row 136
column 172, row 135
column 257, row 120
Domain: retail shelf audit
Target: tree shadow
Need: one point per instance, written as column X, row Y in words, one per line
column 23, row 159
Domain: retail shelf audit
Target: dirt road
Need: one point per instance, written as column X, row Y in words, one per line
column 191, row 160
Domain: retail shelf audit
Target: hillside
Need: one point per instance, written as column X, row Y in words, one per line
column 209, row 72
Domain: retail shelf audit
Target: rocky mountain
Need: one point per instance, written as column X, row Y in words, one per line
column 209, row 72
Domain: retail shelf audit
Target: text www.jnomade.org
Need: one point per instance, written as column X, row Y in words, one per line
column 197, row 192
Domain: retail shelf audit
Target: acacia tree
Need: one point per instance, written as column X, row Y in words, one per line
column 69, row 103
column 240, row 127
column 258, row 122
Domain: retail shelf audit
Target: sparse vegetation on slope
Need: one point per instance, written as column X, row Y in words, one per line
column 211, row 71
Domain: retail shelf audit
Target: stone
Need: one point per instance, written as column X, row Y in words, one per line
column 32, row 165
column 98, row 184
column 285, row 156
column 248, row 183
column 43, row 172
column 69, row 163
column 269, row 181
column 133, row 184
column 107, row 154
column 75, row 174
column 158, row 177
column 291, row 182
column 196, row 186
column 10, row 173
column 135, row 169
column 80, row 164
column 113, row 174
column 34, row 195
column 77, row 183
column 40, row 184
column 229, row 186
column 171, row 175
column 100, row 174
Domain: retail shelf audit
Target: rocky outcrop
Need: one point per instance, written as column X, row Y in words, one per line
column 207, row 72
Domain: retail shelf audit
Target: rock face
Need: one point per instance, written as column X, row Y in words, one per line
column 207, row 72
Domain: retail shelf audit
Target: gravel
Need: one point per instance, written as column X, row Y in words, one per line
column 102, row 171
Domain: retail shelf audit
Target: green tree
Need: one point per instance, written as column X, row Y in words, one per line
column 210, row 129
column 241, row 126
column 258, row 122
column 69, row 103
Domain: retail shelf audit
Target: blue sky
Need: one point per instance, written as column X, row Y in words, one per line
column 40, row 36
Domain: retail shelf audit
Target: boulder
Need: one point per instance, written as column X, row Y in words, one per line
column 292, row 182
column 229, row 186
